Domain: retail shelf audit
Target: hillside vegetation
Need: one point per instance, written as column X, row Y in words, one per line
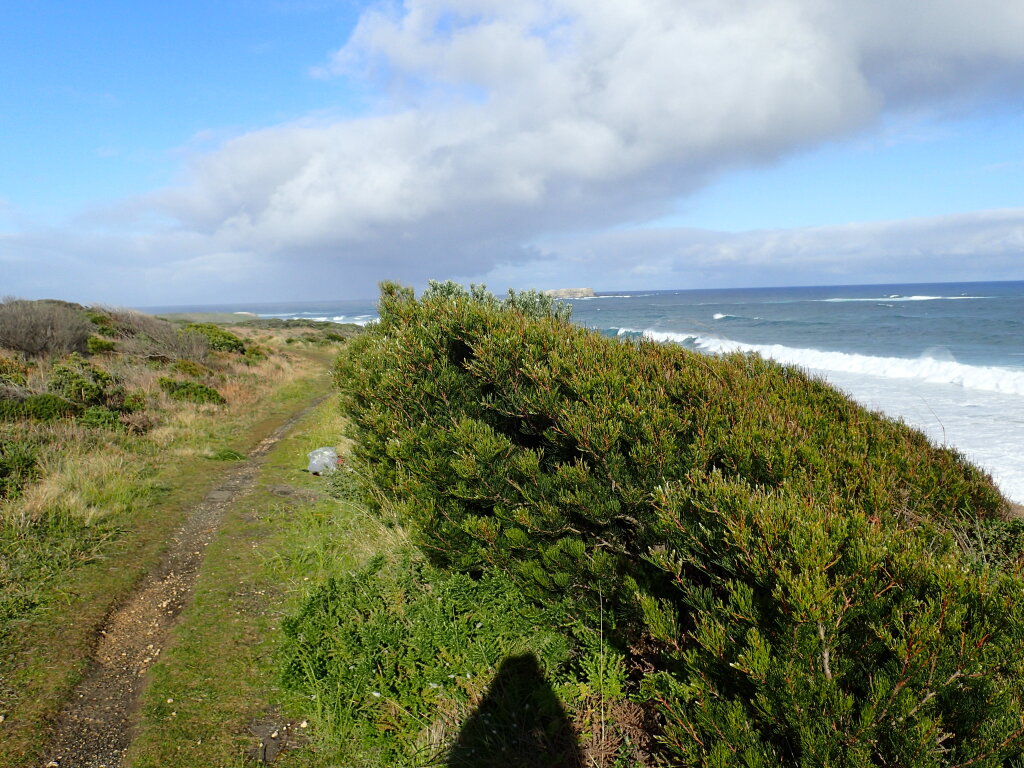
column 724, row 554
column 110, row 422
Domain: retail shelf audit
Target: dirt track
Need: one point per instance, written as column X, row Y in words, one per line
column 95, row 728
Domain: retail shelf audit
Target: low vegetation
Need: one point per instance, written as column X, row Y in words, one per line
column 760, row 571
column 94, row 451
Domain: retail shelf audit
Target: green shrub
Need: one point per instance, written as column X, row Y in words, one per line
column 790, row 568
column 190, row 368
column 12, row 371
column 217, row 337
column 17, row 466
column 104, row 323
column 95, row 345
column 101, row 417
column 134, row 401
column 190, row 391
column 77, row 380
column 11, row 410
column 39, row 407
column 255, row 354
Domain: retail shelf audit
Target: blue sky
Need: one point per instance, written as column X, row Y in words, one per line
column 260, row 150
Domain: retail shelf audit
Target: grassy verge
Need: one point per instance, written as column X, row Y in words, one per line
column 95, row 515
column 215, row 692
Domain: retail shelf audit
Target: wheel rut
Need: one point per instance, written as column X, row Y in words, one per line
column 95, row 728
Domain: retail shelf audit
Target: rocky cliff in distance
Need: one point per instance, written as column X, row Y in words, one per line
column 570, row 293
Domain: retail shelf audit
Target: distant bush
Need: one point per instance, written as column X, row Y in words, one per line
column 134, row 401
column 147, row 336
column 78, row 380
column 95, row 345
column 190, row 391
column 12, row 371
column 788, row 573
column 101, row 417
column 38, row 328
column 38, row 407
column 217, row 337
column 102, row 320
column 190, row 368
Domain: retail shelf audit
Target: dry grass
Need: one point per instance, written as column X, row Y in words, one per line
column 85, row 487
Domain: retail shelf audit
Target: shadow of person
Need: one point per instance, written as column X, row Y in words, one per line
column 519, row 724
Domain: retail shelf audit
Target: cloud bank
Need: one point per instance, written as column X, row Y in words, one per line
column 508, row 132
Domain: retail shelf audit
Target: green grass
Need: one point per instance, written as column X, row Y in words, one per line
column 86, row 532
column 221, row 671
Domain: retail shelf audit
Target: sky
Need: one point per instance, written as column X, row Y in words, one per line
column 286, row 150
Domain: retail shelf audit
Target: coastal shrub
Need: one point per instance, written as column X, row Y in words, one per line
column 135, row 400
column 190, row 391
column 95, row 345
column 102, row 320
column 190, row 368
column 78, row 380
column 218, row 338
column 38, row 407
column 38, row 328
column 786, row 570
column 12, row 371
column 101, row 417
column 157, row 339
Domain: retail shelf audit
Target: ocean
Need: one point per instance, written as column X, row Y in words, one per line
column 946, row 358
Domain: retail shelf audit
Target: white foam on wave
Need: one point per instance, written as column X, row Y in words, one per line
column 901, row 298
column 1008, row 381
column 341, row 319
column 608, row 296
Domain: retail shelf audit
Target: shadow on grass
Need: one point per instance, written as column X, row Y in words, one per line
column 519, row 724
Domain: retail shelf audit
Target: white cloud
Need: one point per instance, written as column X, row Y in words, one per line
column 508, row 123
column 514, row 120
column 986, row 245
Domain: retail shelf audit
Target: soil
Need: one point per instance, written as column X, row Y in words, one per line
column 95, row 728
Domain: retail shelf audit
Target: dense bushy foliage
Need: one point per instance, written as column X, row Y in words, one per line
column 38, row 328
column 217, row 337
column 43, row 406
column 794, row 573
column 96, row 346
column 78, row 380
column 191, row 391
column 12, row 371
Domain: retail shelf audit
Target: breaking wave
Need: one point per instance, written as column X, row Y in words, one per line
column 897, row 297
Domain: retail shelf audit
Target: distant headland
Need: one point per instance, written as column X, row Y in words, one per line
column 570, row 293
